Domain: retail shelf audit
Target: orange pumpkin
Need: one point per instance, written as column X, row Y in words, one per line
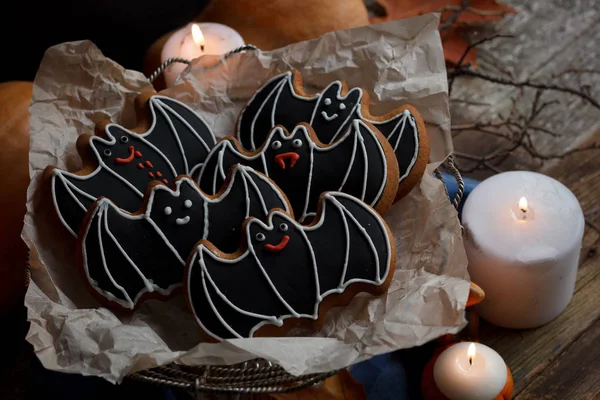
column 271, row 24
column 15, row 98
column 430, row 390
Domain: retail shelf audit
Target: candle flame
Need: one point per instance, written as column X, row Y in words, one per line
column 197, row 36
column 523, row 204
column 471, row 353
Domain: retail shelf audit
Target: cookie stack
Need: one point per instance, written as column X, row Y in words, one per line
column 263, row 231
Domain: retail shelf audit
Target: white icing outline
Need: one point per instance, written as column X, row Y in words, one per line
column 402, row 117
column 103, row 204
column 353, row 133
column 257, row 93
column 158, row 100
column 182, row 221
column 331, row 197
column 100, row 213
column 329, row 118
column 68, row 186
column 155, row 102
column 289, row 78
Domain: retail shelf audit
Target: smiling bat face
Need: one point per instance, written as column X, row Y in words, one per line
column 132, row 158
column 333, row 112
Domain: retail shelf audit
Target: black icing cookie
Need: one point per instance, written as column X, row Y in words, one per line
column 361, row 163
column 122, row 163
column 126, row 256
column 287, row 270
column 282, row 101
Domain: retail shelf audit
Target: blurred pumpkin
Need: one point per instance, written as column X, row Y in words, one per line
column 271, row 24
column 15, row 97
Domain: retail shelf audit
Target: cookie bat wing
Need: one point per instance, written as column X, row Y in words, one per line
column 124, row 257
column 222, row 157
column 222, row 302
column 190, row 139
column 402, row 133
column 74, row 194
column 169, row 134
column 355, row 164
column 249, row 194
column 255, row 120
column 364, row 254
column 290, row 108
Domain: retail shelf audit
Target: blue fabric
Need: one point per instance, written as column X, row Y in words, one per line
column 452, row 186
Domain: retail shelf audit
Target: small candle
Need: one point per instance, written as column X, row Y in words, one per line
column 469, row 371
column 523, row 235
column 195, row 40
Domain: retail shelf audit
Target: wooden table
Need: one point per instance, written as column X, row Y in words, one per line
column 562, row 359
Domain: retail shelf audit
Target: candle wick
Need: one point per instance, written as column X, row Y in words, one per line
column 202, row 47
column 471, row 360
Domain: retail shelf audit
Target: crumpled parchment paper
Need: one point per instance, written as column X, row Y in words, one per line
column 76, row 86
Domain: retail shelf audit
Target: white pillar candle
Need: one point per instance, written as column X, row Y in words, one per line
column 469, row 371
column 523, row 234
column 195, row 40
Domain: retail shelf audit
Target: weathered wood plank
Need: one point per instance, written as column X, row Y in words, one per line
column 550, row 37
column 530, row 352
column 574, row 375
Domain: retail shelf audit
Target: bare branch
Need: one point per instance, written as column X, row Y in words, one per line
column 501, row 81
column 575, row 71
column 516, row 133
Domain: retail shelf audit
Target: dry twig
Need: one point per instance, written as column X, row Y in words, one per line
column 518, row 131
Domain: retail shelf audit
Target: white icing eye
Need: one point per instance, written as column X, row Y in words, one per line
column 107, row 152
column 260, row 237
column 276, row 145
column 283, row 227
column 168, row 210
column 297, row 143
column 342, row 106
column 124, row 139
column 187, row 203
column 327, row 101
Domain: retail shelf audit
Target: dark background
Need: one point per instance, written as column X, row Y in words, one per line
column 122, row 29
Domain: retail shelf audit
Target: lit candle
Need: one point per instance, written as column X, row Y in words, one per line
column 195, row 40
column 523, row 235
column 469, row 371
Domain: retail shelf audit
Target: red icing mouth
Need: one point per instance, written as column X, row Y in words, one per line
column 128, row 159
column 279, row 246
column 280, row 159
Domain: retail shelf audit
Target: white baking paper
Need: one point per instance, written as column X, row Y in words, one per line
column 76, row 86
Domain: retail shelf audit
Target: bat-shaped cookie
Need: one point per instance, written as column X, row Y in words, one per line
column 282, row 101
column 125, row 256
column 120, row 164
column 288, row 270
column 360, row 163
